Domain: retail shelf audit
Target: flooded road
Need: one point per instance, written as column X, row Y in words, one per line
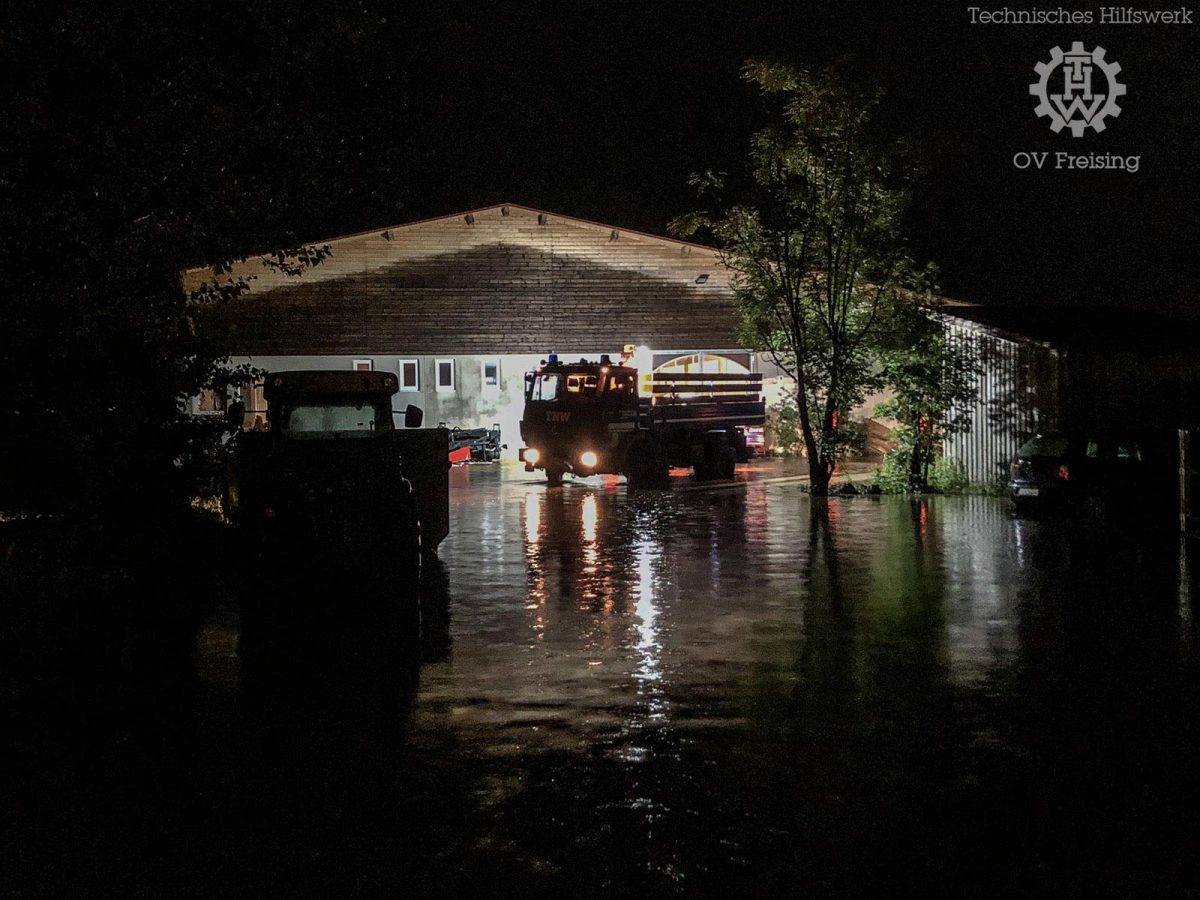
column 693, row 692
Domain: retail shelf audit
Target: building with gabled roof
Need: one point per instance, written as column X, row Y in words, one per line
column 461, row 306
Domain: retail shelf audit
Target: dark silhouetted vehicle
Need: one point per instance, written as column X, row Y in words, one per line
column 333, row 477
column 1058, row 470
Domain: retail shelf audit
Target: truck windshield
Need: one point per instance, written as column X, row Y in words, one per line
column 560, row 385
column 544, row 387
column 331, row 418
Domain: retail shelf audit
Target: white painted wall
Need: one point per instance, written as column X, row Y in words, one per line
column 471, row 404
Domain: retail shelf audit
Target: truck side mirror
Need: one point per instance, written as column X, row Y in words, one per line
column 413, row 416
column 235, row 414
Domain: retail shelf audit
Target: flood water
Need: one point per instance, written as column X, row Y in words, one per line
column 695, row 692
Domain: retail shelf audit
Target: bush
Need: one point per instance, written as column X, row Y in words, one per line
column 783, row 424
column 893, row 477
column 947, row 476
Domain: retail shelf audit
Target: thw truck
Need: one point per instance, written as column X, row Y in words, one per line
column 587, row 418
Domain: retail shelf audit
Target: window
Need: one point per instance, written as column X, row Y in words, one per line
column 577, row 384
column 256, row 406
column 410, row 375
column 1044, row 445
column 620, row 384
column 210, row 400
column 491, row 375
column 363, row 365
column 252, row 393
column 543, row 387
column 333, row 419
column 1129, row 451
column 445, row 374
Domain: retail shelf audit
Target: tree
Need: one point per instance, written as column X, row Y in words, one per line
column 932, row 377
column 820, row 266
column 138, row 142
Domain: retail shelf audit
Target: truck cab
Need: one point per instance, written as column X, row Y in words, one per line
column 575, row 415
column 333, row 478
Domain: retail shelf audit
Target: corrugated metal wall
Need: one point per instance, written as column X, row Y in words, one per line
column 1018, row 397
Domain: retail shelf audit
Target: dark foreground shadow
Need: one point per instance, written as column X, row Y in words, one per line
column 126, row 767
column 340, row 639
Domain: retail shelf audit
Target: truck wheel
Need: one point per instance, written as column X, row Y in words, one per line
column 660, row 467
column 737, row 439
column 727, row 463
column 702, row 466
column 636, row 472
column 554, row 477
column 401, row 579
column 641, row 464
column 714, row 458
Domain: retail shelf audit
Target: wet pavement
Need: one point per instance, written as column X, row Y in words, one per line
column 710, row 689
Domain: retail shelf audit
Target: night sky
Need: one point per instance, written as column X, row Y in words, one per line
column 289, row 122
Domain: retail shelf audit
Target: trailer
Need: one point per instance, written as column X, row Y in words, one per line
column 589, row 418
column 475, row 444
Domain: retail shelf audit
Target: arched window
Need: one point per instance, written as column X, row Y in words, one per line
column 708, row 363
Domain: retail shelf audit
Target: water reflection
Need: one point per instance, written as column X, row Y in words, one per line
column 710, row 693
column 588, row 507
column 532, row 503
column 726, row 602
column 649, row 672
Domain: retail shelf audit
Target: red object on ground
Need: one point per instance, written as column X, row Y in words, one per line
column 462, row 454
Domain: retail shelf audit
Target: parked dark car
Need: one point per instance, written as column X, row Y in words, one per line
column 1061, row 469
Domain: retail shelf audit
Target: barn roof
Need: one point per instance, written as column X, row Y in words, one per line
column 1085, row 327
column 500, row 279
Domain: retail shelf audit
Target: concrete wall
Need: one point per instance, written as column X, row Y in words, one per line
column 471, row 404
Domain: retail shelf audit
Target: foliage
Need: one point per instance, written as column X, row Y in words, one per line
column 892, row 476
column 783, row 422
column 134, row 148
column 994, row 487
column 813, row 239
column 852, row 436
column 933, row 380
column 947, row 476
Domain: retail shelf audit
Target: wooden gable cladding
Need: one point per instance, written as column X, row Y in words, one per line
column 504, row 282
column 500, row 298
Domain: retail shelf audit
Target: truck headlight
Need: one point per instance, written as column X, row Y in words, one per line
column 589, row 458
column 532, row 455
